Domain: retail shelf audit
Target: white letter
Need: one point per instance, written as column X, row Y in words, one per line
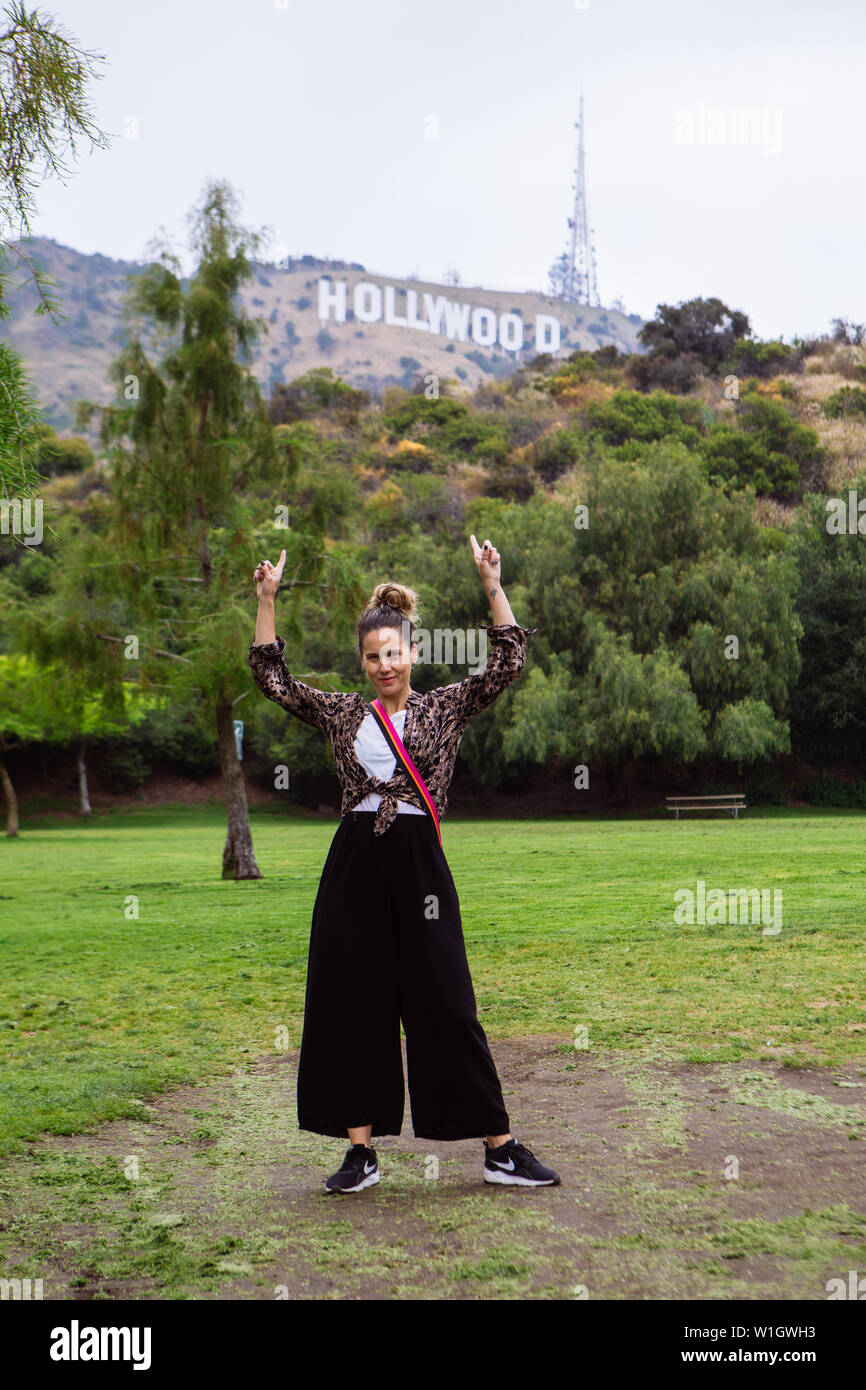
column 511, row 332
column 332, row 298
column 547, row 333
column 684, row 126
column 434, row 309
column 367, row 302
column 836, row 519
column 717, row 903
column 60, row 1346
column 685, row 913
column 141, row 1354
column 775, row 146
column 456, row 320
column 484, row 337
column 390, row 315
column 412, row 318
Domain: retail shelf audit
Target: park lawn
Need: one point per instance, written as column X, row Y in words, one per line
column 569, row 927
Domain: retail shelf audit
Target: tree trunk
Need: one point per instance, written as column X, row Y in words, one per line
column 83, row 793
column 11, row 800
column 239, row 861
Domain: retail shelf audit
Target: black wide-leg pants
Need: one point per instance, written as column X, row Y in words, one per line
column 387, row 944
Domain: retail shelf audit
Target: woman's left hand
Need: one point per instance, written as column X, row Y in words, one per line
column 487, row 561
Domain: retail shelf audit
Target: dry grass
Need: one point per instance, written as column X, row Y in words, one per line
column 769, row 512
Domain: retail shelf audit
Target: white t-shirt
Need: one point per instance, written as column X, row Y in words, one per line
column 376, row 758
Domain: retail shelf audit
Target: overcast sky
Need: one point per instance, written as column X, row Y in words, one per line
column 319, row 113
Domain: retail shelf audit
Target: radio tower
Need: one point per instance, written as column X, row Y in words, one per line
column 572, row 275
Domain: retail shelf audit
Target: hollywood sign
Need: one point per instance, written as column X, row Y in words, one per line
column 448, row 318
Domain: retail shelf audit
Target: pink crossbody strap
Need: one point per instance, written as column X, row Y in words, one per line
column 396, row 744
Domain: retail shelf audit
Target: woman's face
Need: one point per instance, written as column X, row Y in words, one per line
column 388, row 660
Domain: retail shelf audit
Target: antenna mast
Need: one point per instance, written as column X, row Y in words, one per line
column 573, row 274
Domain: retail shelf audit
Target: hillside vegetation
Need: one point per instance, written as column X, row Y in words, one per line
column 666, row 519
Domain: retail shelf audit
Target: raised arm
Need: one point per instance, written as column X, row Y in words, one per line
column 267, row 579
column 508, row 656
column 489, row 566
column 270, row 672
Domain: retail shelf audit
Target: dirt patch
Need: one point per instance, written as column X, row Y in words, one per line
column 678, row 1181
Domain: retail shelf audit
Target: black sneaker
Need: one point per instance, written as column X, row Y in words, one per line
column 515, row 1164
column 360, row 1169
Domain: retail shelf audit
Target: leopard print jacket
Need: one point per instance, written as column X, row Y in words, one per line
column 435, row 721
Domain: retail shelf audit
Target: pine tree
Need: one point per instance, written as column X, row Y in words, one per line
column 189, row 446
column 43, row 79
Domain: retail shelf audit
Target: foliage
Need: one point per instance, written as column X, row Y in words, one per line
column 832, row 791
column 20, row 424
column 828, row 706
column 637, row 703
column 447, row 424
column 847, row 401
column 766, row 449
column 319, row 391
column 580, row 366
column 667, row 568
column 685, row 340
column 631, row 415
column 43, row 108
column 56, row 456
column 752, row 357
column 557, row 452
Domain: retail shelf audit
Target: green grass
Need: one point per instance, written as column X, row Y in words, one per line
column 568, row 924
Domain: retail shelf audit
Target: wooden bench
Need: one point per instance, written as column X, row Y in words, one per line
column 733, row 802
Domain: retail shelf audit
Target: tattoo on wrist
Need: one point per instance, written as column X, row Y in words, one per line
column 493, row 592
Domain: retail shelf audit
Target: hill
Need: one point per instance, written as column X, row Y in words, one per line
column 69, row 360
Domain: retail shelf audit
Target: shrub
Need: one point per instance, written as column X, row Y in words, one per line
column 56, row 455
column 830, row 791
column 752, row 357
column 678, row 373
column 762, row 787
column 578, row 367
column 686, row 340
column 174, row 737
column 768, row 449
column 317, row 390
column 848, row 400
column 510, row 480
column 447, row 423
column 555, row 453
column 631, row 415
column 125, row 766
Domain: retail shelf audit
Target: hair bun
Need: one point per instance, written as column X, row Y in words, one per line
column 389, row 605
column 396, row 596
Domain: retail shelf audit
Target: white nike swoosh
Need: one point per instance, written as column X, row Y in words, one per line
column 369, row 1167
column 509, row 1165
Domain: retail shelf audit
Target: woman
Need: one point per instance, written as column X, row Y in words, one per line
column 386, row 942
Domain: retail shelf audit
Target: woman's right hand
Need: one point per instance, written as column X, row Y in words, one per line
column 267, row 577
